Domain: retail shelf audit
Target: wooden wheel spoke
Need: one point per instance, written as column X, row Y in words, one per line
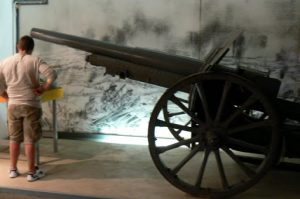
column 250, row 126
column 176, row 133
column 221, row 169
column 250, row 173
column 182, row 100
column 247, row 145
column 203, row 100
column 162, row 123
column 222, row 101
column 168, row 115
column 186, row 159
column 176, row 101
column 163, row 149
column 202, row 168
column 251, row 100
column 179, row 130
column 175, row 114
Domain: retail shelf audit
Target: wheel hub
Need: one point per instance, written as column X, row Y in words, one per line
column 212, row 137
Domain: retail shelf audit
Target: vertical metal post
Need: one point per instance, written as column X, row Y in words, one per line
column 17, row 4
column 17, row 26
column 54, row 126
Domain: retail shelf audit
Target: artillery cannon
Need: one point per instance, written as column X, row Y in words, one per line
column 210, row 119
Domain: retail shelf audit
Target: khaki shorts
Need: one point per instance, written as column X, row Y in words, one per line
column 24, row 123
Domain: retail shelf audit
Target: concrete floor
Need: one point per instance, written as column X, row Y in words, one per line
column 117, row 171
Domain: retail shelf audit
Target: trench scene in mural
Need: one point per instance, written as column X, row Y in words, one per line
column 95, row 102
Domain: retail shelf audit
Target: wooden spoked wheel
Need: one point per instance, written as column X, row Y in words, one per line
column 223, row 117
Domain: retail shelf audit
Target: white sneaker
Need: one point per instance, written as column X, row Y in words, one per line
column 13, row 173
column 31, row 177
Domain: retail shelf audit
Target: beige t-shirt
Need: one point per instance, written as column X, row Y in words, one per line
column 19, row 75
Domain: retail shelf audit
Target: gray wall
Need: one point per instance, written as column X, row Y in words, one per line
column 97, row 103
column 271, row 26
column 7, row 49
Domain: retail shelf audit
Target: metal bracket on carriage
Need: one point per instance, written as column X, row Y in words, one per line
column 217, row 54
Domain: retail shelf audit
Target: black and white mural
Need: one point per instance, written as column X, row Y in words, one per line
column 95, row 103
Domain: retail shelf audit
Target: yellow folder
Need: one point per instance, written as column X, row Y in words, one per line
column 52, row 94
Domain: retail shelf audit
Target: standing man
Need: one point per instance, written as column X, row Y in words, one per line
column 20, row 84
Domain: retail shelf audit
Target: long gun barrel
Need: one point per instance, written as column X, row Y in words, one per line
column 135, row 63
column 150, row 66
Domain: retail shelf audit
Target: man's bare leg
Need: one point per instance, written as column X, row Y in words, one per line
column 30, row 154
column 14, row 151
column 34, row 173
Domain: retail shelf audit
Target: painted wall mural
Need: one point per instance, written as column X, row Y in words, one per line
column 97, row 103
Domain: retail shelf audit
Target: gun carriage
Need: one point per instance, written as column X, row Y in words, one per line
column 211, row 119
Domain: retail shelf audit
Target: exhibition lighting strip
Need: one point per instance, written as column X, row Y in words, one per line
column 131, row 140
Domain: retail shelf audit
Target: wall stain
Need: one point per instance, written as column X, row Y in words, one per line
column 138, row 24
column 238, row 47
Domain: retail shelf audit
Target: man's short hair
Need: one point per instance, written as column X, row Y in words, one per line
column 26, row 43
